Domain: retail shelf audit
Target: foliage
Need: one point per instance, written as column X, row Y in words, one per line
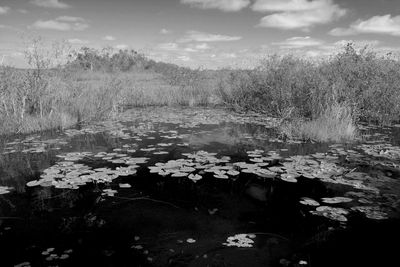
column 106, row 60
column 367, row 83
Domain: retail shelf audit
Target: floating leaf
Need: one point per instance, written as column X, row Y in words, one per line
column 309, row 201
column 335, row 200
column 287, row 177
column 125, row 186
column 240, row 240
column 195, row 177
column 337, row 214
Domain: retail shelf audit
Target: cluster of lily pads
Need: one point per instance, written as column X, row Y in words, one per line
column 112, row 157
column 372, row 212
column 322, row 166
column 337, row 166
column 221, row 168
column 32, row 145
column 370, row 183
column 51, row 255
column 333, row 213
column 201, row 161
column 240, row 241
column 5, row 190
column 70, row 175
column 338, row 213
column 387, row 151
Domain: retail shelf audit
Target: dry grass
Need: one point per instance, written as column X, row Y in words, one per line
column 145, row 88
column 30, row 124
column 68, row 97
column 335, row 124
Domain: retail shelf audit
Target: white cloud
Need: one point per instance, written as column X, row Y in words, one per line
column 4, row 9
column 50, row 3
column 165, row 31
column 184, row 58
column 78, row 41
column 51, row 25
column 121, row 47
column 203, row 46
column 297, row 14
column 289, row 5
column 342, row 32
column 70, row 19
column 197, row 47
column 63, row 23
column 228, row 55
column 109, row 38
column 189, row 49
column 224, row 5
column 23, row 11
column 299, row 42
column 385, row 24
column 195, row 36
column 168, row 46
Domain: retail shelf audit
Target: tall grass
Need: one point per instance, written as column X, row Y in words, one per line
column 335, row 124
column 70, row 96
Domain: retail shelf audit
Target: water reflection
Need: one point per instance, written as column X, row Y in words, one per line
column 108, row 224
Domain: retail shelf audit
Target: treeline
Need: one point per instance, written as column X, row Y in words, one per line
column 107, row 60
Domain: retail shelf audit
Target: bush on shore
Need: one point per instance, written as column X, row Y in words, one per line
column 365, row 81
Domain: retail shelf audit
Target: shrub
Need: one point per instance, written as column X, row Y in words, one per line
column 367, row 83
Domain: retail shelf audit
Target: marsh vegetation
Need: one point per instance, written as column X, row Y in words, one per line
column 353, row 86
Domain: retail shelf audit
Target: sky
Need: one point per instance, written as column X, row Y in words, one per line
column 202, row 33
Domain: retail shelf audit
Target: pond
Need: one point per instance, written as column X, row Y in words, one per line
column 198, row 187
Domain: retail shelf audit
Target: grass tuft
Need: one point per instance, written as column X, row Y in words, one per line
column 335, row 124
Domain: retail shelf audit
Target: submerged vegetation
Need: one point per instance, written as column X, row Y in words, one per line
column 321, row 101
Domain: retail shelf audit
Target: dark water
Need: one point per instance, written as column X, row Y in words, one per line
column 174, row 221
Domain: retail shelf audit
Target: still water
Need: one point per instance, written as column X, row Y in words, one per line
column 197, row 187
